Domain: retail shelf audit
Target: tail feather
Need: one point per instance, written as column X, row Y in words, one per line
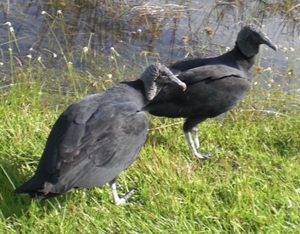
column 32, row 184
column 39, row 196
column 35, row 187
column 39, row 190
column 35, row 194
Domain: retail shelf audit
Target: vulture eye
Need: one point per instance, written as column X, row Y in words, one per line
column 163, row 73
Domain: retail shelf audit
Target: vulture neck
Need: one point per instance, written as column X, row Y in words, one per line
column 244, row 61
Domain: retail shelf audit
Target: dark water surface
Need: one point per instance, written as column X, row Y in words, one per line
column 55, row 33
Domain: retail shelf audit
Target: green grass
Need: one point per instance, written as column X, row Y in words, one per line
column 250, row 185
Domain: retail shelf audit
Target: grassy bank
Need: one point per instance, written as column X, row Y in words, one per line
column 251, row 184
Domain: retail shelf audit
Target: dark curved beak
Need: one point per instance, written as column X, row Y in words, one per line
column 269, row 43
column 178, row 82
column 172, row 79
column 181, row 84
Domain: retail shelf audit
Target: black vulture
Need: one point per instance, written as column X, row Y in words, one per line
column 98, row 137
column 214, row 85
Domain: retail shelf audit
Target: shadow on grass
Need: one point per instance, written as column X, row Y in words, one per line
column 17, row 205
column 11, row 204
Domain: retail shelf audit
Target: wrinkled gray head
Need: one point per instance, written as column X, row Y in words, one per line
column 249, row 39
column 155, row 77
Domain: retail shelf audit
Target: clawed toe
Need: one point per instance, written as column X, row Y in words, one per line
column 203, row 157
column 122, row 200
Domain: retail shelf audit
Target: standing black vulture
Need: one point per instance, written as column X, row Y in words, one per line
column 98, row 137
column 214, row 85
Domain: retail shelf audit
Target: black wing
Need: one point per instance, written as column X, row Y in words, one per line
column 89, row 145
column 210, row 72
column 211, row 90
column 195, row 75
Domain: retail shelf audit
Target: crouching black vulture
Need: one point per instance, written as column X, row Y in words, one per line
column 214, row 85
column 98, row 137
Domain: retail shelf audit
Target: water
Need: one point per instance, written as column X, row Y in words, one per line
column 84, row 32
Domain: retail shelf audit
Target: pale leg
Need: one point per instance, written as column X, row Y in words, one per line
column 193, row 142
column 195, row 136
column 117, row 199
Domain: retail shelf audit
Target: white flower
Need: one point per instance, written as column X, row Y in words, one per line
column 227, row 48
column 1, row 64
column 85, row 49
column 268, row 69
column 59, row 12
column 29, row 56
column 11, row 29
column 109, row 76
column 43, row 12
column 54, row 55
column 8, row 23
column 292, row 49
column 114, row 51
column 139, row 30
